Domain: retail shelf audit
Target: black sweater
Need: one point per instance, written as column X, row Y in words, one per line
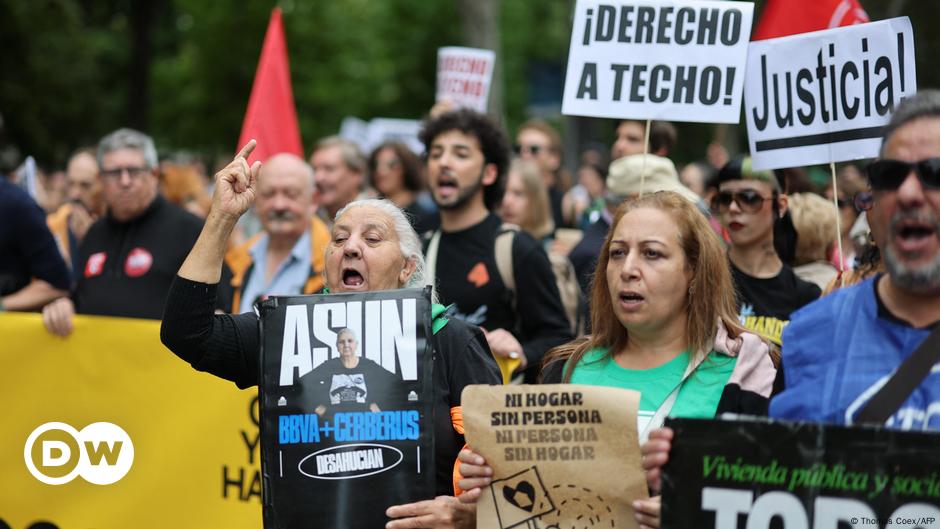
column 468, row 278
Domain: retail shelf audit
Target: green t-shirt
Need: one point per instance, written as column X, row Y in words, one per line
column 698, row 398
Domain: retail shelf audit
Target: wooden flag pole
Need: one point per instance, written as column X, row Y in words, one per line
column 646, row 150
column 835, row 200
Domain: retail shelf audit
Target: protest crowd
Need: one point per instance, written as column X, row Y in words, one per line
column 709, row 287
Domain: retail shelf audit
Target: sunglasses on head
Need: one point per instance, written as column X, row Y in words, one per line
column 748, row 200
column 528, row 149
column 888, row 175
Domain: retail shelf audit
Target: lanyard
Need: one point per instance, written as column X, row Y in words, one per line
column 663, row 411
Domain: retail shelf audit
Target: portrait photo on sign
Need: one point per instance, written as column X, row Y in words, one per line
column 345, row 406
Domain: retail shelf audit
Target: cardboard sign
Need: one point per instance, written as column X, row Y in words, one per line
column 563, row 455
column 730, row 474
column 658, row 59
column 464, row 76
column 824, row 96
column 346, row 400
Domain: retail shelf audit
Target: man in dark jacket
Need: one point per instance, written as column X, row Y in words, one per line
column 128, row 258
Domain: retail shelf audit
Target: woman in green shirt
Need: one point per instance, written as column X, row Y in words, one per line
column 665, row 324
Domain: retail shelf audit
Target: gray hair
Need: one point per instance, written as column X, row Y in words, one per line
column 924, row 104
column 351, row 154
column 128, row 139
column 408, row 239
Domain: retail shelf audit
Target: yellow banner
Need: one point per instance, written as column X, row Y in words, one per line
column 195, row 437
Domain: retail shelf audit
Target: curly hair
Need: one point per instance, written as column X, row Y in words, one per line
column 493, row 143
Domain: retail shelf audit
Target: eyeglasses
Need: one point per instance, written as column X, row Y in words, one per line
column 528, row 149
column 133, row 172
column 748, row 200
column 888, row 175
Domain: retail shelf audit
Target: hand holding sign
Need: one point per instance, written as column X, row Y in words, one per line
column 655, row 454
column 474, row 475
column 443, row 512
column 235, row 184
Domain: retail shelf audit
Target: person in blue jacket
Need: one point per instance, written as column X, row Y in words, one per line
column 839, row 351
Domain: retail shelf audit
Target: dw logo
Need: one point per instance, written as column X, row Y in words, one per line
column 101, row 453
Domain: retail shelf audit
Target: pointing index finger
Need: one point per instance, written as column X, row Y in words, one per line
column 246, row 150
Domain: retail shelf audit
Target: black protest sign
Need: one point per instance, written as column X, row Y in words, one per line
column 346, row 399
column 658, row 59
column 824, row 97
column 781, row 475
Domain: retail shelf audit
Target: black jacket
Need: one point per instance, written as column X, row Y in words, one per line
column 126, row 268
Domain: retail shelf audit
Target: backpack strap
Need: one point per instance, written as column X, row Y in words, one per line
column 903, row 382
column 430, row 259
column 503, row 254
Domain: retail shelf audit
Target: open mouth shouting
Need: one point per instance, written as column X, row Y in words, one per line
column 446, row 186
column 915, row 235
column 353, row 279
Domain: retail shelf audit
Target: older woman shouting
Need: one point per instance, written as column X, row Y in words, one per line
column 372, row 247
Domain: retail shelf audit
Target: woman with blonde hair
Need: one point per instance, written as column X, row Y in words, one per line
column 814, row 218
column 525, row 203
column 664, row 323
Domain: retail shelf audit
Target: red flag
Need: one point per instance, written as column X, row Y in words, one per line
column 271, row 117
column 789, row 17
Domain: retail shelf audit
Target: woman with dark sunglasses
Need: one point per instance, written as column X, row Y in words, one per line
column 749, row 204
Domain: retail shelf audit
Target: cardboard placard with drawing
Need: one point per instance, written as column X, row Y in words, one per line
column 562, row 454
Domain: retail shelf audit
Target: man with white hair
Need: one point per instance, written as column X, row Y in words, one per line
column 286, row 258
column 869, row 353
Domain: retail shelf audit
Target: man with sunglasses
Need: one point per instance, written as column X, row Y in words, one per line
column 129, row 257
column 841, row 351
column 750, row 205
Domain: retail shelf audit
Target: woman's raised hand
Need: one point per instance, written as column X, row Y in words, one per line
column 235, row 184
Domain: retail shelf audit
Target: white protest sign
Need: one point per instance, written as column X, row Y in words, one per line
column 368, row 135
column 464, row 76
column 824, row 96
column 658, row 59
column 400, row 130
column 356, row 131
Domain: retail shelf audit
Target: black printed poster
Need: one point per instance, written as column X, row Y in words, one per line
column 346, row 400
column 782, row 475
